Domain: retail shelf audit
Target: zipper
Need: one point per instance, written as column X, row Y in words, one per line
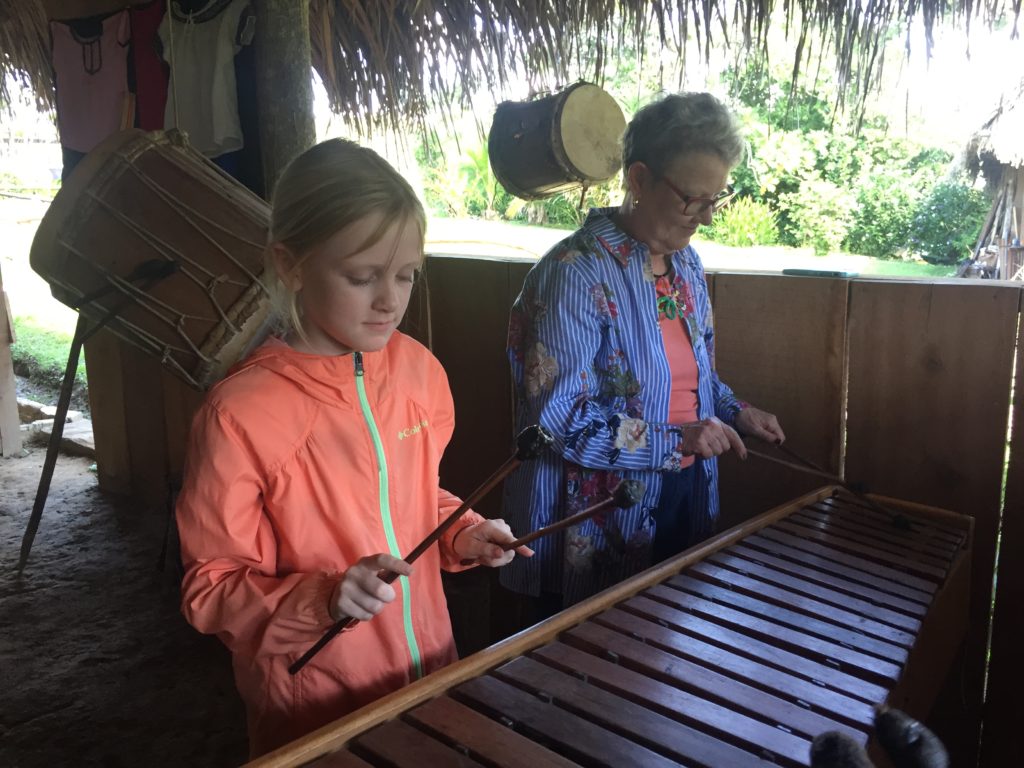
column 385, row 514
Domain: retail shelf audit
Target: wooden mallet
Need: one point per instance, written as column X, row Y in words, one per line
column 626, row 494
column 529, row 444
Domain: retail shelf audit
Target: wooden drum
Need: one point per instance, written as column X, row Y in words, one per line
column 548, row 145
column 148, row 232
column 735, row 653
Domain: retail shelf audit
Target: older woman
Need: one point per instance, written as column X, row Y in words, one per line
column 612, row 349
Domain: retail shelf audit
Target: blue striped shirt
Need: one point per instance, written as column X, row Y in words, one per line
column 589, row 364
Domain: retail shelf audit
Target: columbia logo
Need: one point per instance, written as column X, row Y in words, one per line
column 410, row 431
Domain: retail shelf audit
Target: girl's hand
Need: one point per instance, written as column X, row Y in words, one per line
column 360, row 593
column 754, row 421
column 481, row 542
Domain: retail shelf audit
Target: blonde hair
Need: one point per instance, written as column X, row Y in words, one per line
column 325, row 189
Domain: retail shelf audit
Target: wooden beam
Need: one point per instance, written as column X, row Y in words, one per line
column 10, row 424
column 284, row 88
column 1004, row 708
column 929, row 391
column 107, row 404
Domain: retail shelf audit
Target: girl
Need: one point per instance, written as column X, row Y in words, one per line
column 314, row 465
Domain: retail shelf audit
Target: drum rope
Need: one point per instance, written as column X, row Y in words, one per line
column 171, row 254
column 175, row 201
column 172, row 317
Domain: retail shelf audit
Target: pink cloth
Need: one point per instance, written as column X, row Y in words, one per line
column 150, row 69
column 92, row 81
column 682, row 404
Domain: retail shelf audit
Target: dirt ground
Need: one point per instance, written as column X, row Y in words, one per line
column 97, row 665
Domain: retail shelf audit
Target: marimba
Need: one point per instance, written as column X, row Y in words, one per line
column 735, row 653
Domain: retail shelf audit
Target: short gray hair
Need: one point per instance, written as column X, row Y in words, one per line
column 680, row 124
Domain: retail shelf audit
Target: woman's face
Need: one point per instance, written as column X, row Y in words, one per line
column 660, row 220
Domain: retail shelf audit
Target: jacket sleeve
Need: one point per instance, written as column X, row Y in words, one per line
column 231, row 586
column 555, row 338
column 443, row 425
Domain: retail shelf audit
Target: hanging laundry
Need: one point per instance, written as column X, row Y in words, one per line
column 90, row 61
column 200, row 45
column 150, row 70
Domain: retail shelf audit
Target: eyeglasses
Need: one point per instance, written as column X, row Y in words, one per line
column 695, row 206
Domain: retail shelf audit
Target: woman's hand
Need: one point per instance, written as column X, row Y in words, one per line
column 481, row 542
column 360, row 593
column 757, row 423
column 711, row 437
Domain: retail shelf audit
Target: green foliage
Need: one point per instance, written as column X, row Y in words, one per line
column 42, row 354
column 886, row 204
column 810, row 180
column 818, row 214
column 14, row 184
column 946, row 224
column 776, row 103
column 745, row 222
column 563, row 209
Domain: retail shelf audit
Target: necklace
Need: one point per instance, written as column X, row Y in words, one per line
column 671, row 304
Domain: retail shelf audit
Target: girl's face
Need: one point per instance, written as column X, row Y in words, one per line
column 355, row 301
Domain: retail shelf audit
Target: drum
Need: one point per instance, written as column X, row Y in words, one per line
column 548, row 145
column 154, row 239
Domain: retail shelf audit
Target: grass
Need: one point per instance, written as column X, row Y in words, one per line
column 500, row 239
column 41, row 353
column 44, row 326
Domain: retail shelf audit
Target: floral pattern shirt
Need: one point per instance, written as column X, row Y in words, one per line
column 589, row 364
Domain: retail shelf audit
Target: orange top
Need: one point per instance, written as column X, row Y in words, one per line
column 282, row 494
column 682, row 404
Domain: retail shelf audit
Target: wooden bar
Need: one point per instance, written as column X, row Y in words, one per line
column 690, row 662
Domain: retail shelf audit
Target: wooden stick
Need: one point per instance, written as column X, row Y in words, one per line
column 530, row 442
column 811, row 468
column 797, row 467
column 627, row 493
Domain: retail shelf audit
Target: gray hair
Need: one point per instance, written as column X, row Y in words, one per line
column 681, row 124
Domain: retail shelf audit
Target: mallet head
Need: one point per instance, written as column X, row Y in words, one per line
column 907, row 742
column 628, row 492
column 835, row 749
column 532, row 441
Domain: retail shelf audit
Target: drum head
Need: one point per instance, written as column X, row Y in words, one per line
column 591, row 127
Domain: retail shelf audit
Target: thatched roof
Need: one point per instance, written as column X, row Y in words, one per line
column 1001, row 137
column 392, row 62
column 25, row 51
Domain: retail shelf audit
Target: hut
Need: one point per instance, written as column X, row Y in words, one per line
column 997, row 151
column 882, row 383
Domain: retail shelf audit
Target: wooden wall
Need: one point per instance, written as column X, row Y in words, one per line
column 780, row 344
column 1003, row 711
column 903, row 386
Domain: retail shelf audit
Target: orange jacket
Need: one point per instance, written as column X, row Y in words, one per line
column 282, row 493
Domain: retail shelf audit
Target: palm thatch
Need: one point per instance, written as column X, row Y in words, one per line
column 391, row 63
column 25, row 51
column 1001, row 138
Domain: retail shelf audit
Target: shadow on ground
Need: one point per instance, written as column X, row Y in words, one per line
column 98, row 666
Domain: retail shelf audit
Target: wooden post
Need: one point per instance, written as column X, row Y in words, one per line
column 284, row 89
column 10, row 425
